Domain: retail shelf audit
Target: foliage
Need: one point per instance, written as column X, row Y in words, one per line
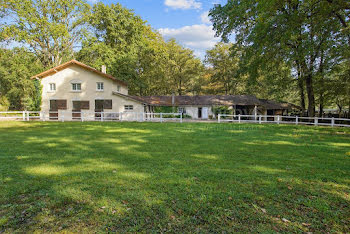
column 221, row 110
column 49, row 28
column 16, row 68
column 224, row 67
column 165, row 109
column 191, row 177
column 298, row 33
column 183, row 68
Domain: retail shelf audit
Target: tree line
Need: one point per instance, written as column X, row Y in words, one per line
column 296, row 51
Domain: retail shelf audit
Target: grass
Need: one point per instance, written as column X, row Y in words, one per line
column 152, row 177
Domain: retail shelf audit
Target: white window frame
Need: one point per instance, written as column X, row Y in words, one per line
column 128, row 107
column 100, row 86
column 51, row 85
column 182, row 110
column 76, row 85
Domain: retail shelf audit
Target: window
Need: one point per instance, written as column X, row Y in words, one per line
column 182, row 110
column 128, row 107
column 99, row 86
column 118, row 88
column 52, row 87
column 81, row 105
column 100, row 105
column 76, row 86
column 58, row 105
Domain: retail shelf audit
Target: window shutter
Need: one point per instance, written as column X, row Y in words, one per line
column 98, row 105
column 85, row 105
column 53, row 105
column 62, row 104
column 76, row 105
column 107, row 104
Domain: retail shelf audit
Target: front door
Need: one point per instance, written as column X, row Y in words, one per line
column 98, row 108
column 205, row 113
column 199, row 112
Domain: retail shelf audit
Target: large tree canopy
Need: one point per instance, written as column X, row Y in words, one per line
column 51, row 29
column 133, row 52
column 302, row 33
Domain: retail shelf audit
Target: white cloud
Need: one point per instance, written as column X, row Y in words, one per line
column 205, row 17
column 183, row 4
column 199, row 37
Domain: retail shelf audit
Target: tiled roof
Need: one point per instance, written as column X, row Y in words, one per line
column 200, row 100
column 82, row 65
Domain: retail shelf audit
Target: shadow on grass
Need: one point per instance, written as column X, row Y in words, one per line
column 173, row 177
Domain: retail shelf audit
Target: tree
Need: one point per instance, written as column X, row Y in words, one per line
column 129, row 48
column 297, row 32
column 135, row 53
column 224, row 66
column 51, row 29
column 184, row 68
column 16, row 66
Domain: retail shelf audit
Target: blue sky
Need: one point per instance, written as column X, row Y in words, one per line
column 184, row 20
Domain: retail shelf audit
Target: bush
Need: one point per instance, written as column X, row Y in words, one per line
column 165, row 109
column 221, row 110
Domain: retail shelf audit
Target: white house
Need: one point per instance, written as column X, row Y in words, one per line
column 74, row 87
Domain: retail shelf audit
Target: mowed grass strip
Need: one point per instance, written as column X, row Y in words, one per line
column 171, row 177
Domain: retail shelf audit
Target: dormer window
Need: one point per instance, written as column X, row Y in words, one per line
column 76, row 86
column 52, row 87
column 99, row 86
column 118, row 88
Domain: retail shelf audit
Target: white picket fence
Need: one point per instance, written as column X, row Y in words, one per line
column 165, row 117
column 89, row 116
column 277, row 119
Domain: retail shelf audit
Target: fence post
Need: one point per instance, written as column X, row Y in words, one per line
column 239, row 118
column 181, row 118
column 278, row 119
column 82, row 116
column 27, row 115
column 219, row 118
column 316, row 121
column 23, row 115
column 296, row 120
column 161, row 117
column 62, row 118
column 101, row 116
column 332, row 122
column 259, row 119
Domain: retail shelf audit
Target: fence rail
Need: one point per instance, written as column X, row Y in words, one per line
column 278, row 119
column 165, row 117
column 89, row 116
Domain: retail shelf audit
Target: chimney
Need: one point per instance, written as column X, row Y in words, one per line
column 103, row 69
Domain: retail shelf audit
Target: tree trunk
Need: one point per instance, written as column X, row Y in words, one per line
column 320, row 114
column 301, row 89
column 180, row 88
column 322, row 85
column 310, row 95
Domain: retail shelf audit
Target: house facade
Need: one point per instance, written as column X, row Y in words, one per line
column 73, row 90
column 74, row 87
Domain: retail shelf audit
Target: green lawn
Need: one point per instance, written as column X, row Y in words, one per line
column 190, row 177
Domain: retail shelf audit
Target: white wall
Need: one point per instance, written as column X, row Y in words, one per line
column 193, row 111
